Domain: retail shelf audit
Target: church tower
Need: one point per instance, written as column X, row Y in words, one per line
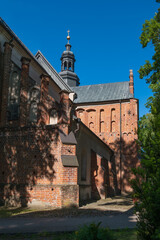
column 67, row 66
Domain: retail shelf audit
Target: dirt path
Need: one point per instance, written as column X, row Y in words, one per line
column 114, row 213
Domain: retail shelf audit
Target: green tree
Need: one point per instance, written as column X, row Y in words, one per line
column 146, row 185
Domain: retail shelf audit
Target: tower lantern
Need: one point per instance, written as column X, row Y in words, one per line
column 67, row 65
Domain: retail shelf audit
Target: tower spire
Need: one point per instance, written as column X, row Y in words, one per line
column 67, row 65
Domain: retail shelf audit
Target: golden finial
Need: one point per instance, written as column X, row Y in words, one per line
column 68, row 37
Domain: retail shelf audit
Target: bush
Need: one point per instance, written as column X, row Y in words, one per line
column 147, row 191
column 93, row 232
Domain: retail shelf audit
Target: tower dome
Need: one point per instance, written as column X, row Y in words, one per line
column 67, row 66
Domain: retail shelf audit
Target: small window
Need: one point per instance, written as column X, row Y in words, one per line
column 53, row 119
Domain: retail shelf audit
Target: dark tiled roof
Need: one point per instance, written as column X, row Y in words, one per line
column 102, row 92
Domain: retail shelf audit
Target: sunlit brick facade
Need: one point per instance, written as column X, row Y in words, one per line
column 55, row 147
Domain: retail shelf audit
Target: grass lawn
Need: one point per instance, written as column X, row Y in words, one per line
column 124, row 234
column 9, row 212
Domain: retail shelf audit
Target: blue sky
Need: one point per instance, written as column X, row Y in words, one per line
column 104, row 36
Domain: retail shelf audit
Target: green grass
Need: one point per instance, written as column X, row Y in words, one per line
column 39, row 236
column 40, row 212
column 9, row 212
column 123, row 234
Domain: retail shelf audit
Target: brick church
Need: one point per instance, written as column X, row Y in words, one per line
column 60, row 142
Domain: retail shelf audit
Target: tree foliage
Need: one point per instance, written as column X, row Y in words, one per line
column 146, row 184
column 151, row 34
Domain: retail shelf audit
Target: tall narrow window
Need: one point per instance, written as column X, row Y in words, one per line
column 34, row 97
column 102, row 120
column 69, row 66
column 33, row 112
column 65, row 65
column 91, row 119
column 113, row 118
column 53, row 119
column 14, row 96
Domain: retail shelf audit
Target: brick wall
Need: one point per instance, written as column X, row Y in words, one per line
column 30, row 159
column 1, row 76
column 32, row 167
column 104, row 121
column 96, row 176
column 24, row 89
column 5, row 82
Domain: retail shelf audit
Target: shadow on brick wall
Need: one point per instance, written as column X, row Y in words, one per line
column 28, row 155
column 126, row 158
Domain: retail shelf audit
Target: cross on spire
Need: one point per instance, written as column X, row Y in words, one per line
column 68, row 37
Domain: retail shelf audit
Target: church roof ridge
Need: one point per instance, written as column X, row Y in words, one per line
column 99, row 84
column 102, row 92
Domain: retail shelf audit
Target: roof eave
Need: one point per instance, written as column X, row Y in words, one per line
column 105, row 101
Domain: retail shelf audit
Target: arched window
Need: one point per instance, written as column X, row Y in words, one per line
column 102, row 120
column 14, row 96
column 34, row 94
column 91, row 118
column 53, row 118
column 34, row 97
column 113, row 118
column 65, row 65
column 14, row 87
column 69, row 66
